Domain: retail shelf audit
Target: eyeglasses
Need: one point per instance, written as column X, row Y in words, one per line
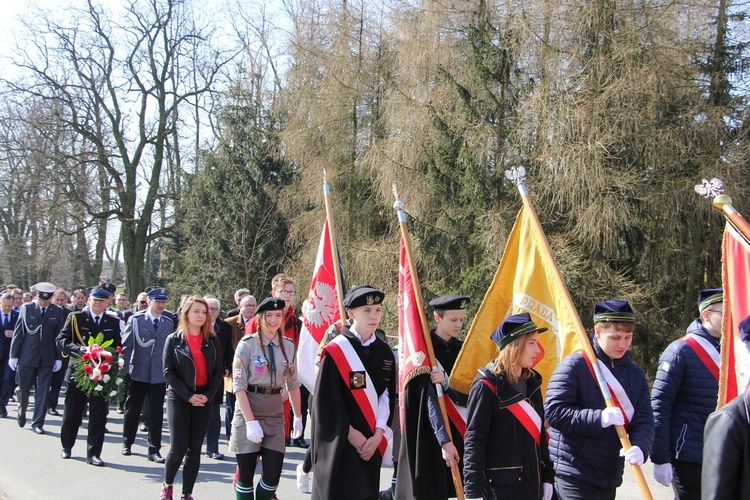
column 715, row 311
column 213, row 308
column 142, row 302
column 288, row 293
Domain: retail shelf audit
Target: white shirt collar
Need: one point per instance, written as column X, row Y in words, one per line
column 364, row 344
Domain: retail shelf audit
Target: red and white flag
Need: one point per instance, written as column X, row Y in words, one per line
column 412, row 351
column 319, row 310
column 735, row 359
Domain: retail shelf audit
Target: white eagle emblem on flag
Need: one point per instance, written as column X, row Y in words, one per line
column 320, row 307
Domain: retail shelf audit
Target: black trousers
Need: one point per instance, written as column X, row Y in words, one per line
column 187, row 428
column 229, row 416
column 687, row 480
column 7, row 381
column 26, row 377
column 139, row 392
column 58, row 378
column 214, row 426
column 75, row 405
column 572, row 489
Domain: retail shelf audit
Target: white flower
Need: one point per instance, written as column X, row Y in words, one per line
column 106, row 378
column 118, row 381
column 97, row 373
column 113, row 394
column 99, row 387
column 120, row 362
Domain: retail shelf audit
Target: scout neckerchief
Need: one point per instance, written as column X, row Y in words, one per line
column 706, row 352
column 354, row 374
column 619, row 396
column 524, row 413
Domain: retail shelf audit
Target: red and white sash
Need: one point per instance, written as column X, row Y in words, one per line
column 705, row 351
column 347, row 361
column 524, row 413
column 619, row 396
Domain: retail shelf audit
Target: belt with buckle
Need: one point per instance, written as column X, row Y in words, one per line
column 263, row 390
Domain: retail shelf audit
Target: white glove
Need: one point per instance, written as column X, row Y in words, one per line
column 546, row 491
column 634, row 455
column 254, row 431
column 58, row 365
column 663, row 474
column 297, row 428
column 612, row 416
column 13, row 363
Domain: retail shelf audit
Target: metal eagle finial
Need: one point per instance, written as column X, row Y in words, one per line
column 516, row 175
column 710, row 189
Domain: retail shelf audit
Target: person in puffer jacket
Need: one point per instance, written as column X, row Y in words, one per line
column 684, row 395
column 584, row 446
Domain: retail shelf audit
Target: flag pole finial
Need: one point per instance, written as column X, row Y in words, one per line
column 516, row 175
column 398, row 204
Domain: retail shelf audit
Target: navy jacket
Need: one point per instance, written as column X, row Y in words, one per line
column 579, row 446
column 5, row 341
column 143, row 347
column 34, row 337
column 683, row 396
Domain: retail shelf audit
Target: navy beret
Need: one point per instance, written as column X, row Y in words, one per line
column 615, row 310
column 709, row 296
column 449, row 303
column 271, row 304
column 158, row 293
column 363, row 295
column 99, row 293
column 512, row 328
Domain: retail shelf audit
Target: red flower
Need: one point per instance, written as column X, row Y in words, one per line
column 86, row 357
column 119, row 350
column 104, row 367
column 88, row 369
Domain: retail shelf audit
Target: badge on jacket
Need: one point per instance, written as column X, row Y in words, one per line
column 357, row 380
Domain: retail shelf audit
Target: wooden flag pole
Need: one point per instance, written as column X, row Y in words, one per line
column 334, row 250
column 399, row 207
column 517, row 176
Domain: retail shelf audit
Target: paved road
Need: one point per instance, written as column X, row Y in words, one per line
column 32, row 468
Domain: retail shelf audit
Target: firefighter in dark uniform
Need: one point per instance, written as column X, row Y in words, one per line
column 72, row 340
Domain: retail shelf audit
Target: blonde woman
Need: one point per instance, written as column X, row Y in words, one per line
column 264, row 364
column 505, row 454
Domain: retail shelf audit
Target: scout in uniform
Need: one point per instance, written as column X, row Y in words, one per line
column 264, row 364
column 353, row 403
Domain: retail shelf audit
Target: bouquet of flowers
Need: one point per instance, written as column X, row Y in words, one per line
column 98, row 372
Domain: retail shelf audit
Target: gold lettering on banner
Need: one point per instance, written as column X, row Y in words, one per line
column 526, row 303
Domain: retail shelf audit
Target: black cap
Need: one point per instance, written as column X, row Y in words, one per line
column 450, row 303
column 111, row 288
column 363, row 295
column 614, row 310
column 271, row 304
column 148, row 289
column 513, row 327
column 709, row 296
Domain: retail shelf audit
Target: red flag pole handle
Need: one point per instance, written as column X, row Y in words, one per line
column 581, row 333
column 399, row 206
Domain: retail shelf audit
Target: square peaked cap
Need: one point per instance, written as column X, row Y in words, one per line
column 363, row 295
column 745, row 330
column 449, row 303
column 99, row 293
column 709, row 296
column 271, row 304
column 512, row 328
column 109, row 287
column 614, row 310
column 158, row 293
column 45, row 290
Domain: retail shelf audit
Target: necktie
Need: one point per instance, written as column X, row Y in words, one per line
column 44, row 309
column 6, row 321
column 96, row 319
column 156, row 323
column 272, row 364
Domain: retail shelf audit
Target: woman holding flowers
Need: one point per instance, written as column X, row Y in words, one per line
column 194, row 371
column 264, row 364
column 93, row 337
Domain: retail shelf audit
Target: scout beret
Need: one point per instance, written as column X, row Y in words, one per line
column 44, row 290
column 512, row 328
column 99, row 293
column 363, row 295
column 271, row 304
column 449, row 303
column 157, row 293
column 615, row 310
column 709, row 296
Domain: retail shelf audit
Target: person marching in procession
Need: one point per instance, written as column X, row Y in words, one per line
column 194, row 371
column 684, row 395
column 425, row 446
column 506, row 454
column 74, row 340
column 264, row 364
column 143, row 342
column 353, row 403
column 33, row 353
column 584, row 445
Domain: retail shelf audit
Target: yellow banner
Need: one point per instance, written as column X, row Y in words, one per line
column 524, row 282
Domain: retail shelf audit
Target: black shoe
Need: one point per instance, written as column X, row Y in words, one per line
column 300, row 443
column 3, row 412
column 155, row 457
column 21, row 420
column 65, row 454
column 38, row 430
column 120, row 409
column 215, row 455
column 126, row 451
column 95, row 461
column 54, row 412
column 288, row 442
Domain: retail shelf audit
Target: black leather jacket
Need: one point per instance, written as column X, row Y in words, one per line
column 179, row 368
column 726, row 446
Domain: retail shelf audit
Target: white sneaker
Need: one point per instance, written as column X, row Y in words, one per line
column 303, row 480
